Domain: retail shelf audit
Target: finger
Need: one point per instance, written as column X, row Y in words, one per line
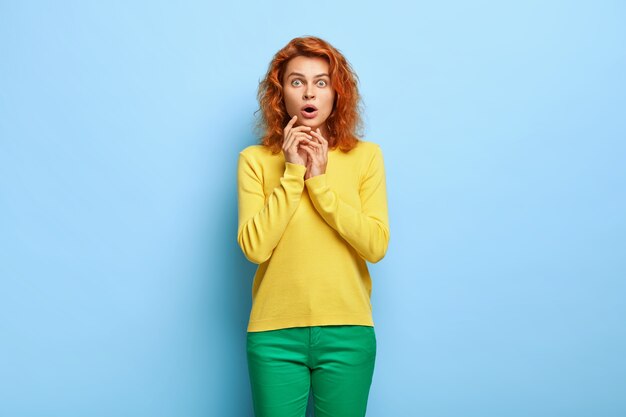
column 321, row 136
column 310, row 151
column 287, row 142
column 288, row 128
column 299, row 141
column 324, row 140
column 315, row 145
column 318, row 135
column 291, row 122
column 295, row 130
column 292, row 136
column 301, row 136
column 308, row 147
column 320, row 141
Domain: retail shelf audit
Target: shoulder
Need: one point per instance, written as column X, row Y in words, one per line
column 371, row 158
column 362, row 154
column 368, row 150
column 366, row 147
column 256, row 152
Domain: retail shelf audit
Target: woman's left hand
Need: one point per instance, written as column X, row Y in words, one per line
column 317, row 148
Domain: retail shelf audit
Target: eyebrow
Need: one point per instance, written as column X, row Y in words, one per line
column 302, row 75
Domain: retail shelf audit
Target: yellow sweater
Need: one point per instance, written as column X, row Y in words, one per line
column 311, row 238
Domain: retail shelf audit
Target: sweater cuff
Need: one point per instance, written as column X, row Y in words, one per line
column 294, row 170
column 316, row 184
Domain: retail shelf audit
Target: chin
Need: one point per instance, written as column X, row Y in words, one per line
column 308, row 122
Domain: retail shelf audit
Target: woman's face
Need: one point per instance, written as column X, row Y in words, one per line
column 307, row 91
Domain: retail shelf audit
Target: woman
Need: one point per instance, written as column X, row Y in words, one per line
column 312, row 211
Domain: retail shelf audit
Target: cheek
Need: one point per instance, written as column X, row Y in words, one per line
column 290, row 99
column 330, row 100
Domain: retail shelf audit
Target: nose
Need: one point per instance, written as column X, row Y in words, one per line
column 308, row 93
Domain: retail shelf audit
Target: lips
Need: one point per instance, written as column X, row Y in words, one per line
column 308, row 111
column 308, row 107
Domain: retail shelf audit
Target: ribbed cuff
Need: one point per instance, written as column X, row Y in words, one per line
column 294, row 170
column 316, row 183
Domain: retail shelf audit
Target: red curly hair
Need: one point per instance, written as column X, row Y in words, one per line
column 344, row 123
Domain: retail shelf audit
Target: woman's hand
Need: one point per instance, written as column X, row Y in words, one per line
column 293, row 137
column 317, row 150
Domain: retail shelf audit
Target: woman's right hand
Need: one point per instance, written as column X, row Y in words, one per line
column 292, row 137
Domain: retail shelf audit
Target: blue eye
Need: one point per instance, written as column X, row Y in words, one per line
column 323, row 83
column 294, row 82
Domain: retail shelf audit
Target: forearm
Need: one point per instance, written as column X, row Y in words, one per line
column 367, row 232
column 261, row 225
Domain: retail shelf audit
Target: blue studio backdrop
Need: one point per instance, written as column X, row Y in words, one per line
column 123, row 291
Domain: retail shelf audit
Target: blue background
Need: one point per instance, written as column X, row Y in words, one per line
column 123, row 291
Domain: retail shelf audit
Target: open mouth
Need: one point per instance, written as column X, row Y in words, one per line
column 308, row 111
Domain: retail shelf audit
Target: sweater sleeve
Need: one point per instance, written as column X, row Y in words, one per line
column 261, row 224
column 366, row 230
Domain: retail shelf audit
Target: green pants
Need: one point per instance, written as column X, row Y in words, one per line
column 336, row 362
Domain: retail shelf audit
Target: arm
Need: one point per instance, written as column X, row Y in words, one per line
column 367, row 230
column 262, row 225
